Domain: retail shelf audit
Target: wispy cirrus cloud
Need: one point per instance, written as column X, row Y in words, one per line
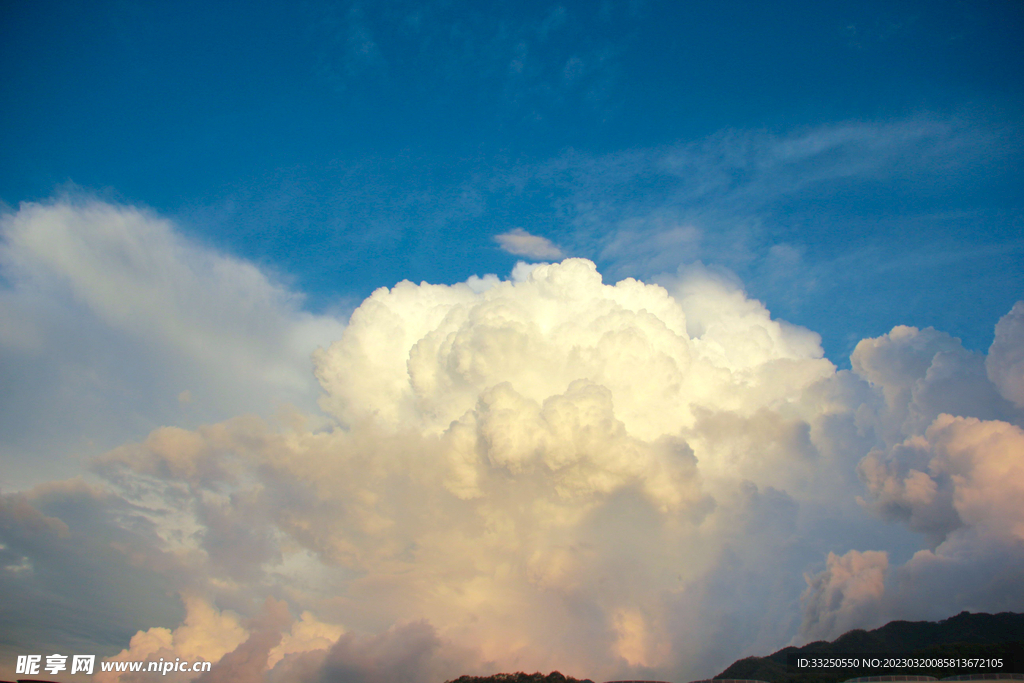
column 802, row 217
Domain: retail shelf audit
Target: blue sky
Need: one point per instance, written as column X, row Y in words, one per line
column 350, row 146
column 403, row 340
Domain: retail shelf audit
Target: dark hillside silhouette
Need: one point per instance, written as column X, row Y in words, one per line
column 963, row 636
column 520, row 677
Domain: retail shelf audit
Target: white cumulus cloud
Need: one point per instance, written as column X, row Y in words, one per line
column 626, row 480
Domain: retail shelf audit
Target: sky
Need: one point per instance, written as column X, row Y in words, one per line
column 398, row 341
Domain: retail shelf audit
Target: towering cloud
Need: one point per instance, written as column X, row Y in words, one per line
column 551, row 472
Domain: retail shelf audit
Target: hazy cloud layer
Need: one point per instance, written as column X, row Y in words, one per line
column 1005, row 361
column 623, row 480
column 114, row 323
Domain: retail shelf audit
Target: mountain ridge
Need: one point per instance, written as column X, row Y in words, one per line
column 964, row 635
